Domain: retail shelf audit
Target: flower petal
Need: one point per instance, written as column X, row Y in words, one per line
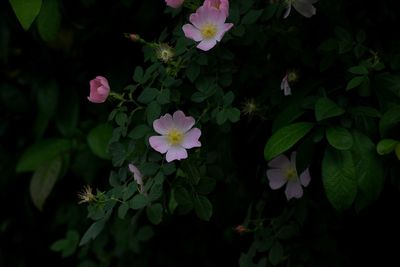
column 222, row 30
column 137, row 175
column 176, row 153
column 206, row 45
column 276, row 178
column 305, row 177
column 191, row 139
column 163, row 124
column 182, row 122
column 159, row 143
column 287, row 12
column 280, row 162
column 293, row 190
column 304, row 8
column 192, row 33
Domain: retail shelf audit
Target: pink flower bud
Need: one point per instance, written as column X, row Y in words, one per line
column 99, row 90
column 240, row 229
column 174, row 3
column 132, row 36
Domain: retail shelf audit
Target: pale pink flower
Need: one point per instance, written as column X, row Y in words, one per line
column 284, row 172
column 99, row 90
column 208, row 27
column 221, row 5
column 177, row 135
column 304, row 7
column 285, row 86
column 137, row 175
column 174, row 3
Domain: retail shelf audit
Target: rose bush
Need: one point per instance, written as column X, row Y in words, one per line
column 183, row 157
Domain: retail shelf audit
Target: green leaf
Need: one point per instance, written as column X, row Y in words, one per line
column 26, row 11
column 326, row 108
column 145, row 233
column 154, row 213
column 275, row 254
column 339, row 137
column 369, row 171
column 147, row 95
column 139, row 131
column 47, row 97
column 202, row 207
column 68, row 245
column 355, row 82
column 233, row 114
column 49, row 20
column 339, row 178
column 155, row 192
column 365, row 111
column 251, row 17
column 93, row 231
column 228, row 99
column 389, row 120
column 42, row 152
column 122, row 210
column 164, row 97
column 397, row 151
column 138, row 75
column 43, row 181
column 285, row 138
column 98, row 139
column 182, row 196
column 386, row 146
column 153, row 111
column 206, row 185
column 222, row 116
column 193, row 72
column 360, row 70
column 137, row 202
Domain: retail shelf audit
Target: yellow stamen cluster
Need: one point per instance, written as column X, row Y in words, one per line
column 86, row 196
column 174, row 137
column 291, row 174
column 208, row 31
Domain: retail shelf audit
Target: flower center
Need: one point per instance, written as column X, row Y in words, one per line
column 291, row 174
column 175, row 137
column 208, row 31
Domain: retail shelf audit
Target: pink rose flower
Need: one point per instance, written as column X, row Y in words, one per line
column 284, row 172
column 177, row 135
column 304, row 7
column 99, row 90
column 137, row 176
column 208, row 27
column 221, row 5
column 174, row 3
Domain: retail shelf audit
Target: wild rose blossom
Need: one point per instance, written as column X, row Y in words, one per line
column 174, row 3
column 207, row 27
column 285, row 86
column 177, row 135
column 221, row 5
column 284, row 172
column 304, row 7
column 137, row 176
column 99, row 90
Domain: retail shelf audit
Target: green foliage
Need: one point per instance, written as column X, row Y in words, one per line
column 43, row 180
column 26, row 11
column 49, row 20
column 98, row 139
column 284, row 138
column 342, row 118
column 41, row 153
column 339, row 178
